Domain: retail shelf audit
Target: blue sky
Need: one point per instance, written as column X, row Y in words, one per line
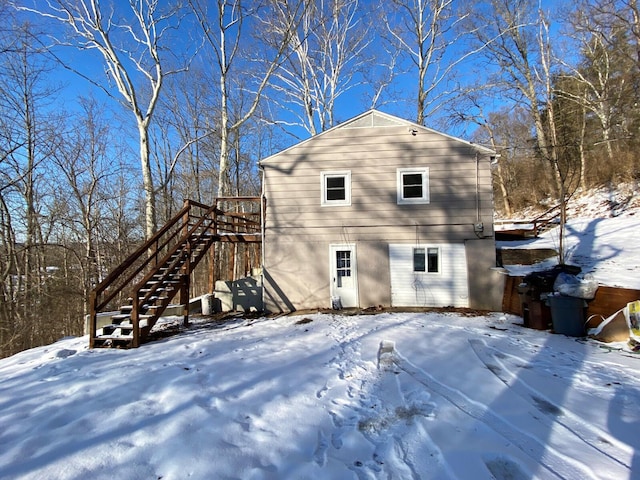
column 349, row 105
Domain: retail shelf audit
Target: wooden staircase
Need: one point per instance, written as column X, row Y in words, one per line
column 139, row 290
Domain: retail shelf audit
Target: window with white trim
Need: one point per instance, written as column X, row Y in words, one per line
column 336, row 188
column 413, row 185
column 426, row 260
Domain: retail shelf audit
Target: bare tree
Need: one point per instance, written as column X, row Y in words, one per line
column 184, row 131
column 26, row 140
column 327, row 54
column 222, row 27
column 599, row 83
column 515, row 38
column 430, row 32
column 471, row 108
column 85, row 168
column 132, row 49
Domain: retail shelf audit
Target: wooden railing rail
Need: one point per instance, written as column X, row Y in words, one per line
column 545, row 219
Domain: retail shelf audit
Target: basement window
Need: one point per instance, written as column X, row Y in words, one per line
column 413, row 185
column 426, row 260
column 336, row 188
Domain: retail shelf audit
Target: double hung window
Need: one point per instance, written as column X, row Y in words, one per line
column 336, row 188
column 413, row 185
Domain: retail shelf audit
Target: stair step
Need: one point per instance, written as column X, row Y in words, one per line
column 154, row 307
column 115, row 337
column 111, row 330
column 127, row 316
column 154, row 298
column 161, row 289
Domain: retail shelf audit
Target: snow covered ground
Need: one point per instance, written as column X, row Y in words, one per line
column 322, row 396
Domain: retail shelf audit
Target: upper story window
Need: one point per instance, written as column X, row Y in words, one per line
column 413, row 185
column 336, row 188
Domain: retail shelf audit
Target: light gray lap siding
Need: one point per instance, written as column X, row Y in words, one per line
column 293, row 188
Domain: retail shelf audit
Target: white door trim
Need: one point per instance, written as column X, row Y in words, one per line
column 345, row 287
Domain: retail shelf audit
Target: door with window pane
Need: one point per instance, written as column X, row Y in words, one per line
column 344, row 283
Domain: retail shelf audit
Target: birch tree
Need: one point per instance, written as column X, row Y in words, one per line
column 327, row 53
column 430, row 32
column 133, row 45
column 601, row 85
column 223, row 24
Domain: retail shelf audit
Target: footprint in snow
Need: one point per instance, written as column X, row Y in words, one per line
column 505, row 468
column 322, row 392
column 320, row 453
column 65, row 353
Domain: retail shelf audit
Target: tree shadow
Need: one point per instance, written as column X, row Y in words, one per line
column 626, row 431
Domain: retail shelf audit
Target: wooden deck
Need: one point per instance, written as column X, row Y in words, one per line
column 607, row 301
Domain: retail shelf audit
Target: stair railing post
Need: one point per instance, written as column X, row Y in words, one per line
column 135, row 320
column 185, row 275
column 93, row 318
column 212, row 254
column 184, row 297
column 185, row 219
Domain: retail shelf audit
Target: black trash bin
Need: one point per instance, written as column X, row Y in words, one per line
column 533, row 292
column 568, row 315
column 535, row 313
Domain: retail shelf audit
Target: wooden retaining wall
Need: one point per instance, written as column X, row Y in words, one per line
column 608, row 300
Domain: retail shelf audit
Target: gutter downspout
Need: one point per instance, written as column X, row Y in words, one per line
column 477, row 188
column 263, row 201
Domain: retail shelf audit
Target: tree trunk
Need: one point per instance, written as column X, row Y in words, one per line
column 147, row 181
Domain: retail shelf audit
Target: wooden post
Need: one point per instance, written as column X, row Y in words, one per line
column 93, row 318
column 185, row 276
column 212, row 250
column 231, row 258
column 185, row 217
column 212, row 268
column 184, row 297
column 135, row 319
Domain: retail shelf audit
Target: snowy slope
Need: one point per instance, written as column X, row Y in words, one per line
column 602, row 236
column 608, row 248
column 401, row 396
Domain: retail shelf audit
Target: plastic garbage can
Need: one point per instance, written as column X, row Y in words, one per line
column 535, row 312
column 568, row 315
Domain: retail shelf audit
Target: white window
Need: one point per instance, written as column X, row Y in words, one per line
column 426, row 260
column 413, row 185
column 336, row 188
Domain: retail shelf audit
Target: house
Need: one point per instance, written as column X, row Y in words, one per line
column 379, row 211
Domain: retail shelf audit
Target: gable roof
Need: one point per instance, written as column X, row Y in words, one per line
column 377, row 119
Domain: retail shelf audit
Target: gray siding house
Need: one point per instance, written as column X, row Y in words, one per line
column 379, row 211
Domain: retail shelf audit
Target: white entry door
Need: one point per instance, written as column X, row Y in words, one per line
column 344, row 281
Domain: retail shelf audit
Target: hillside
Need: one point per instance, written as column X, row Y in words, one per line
column 601, row 237
column 430, row 395
column 621, row 200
